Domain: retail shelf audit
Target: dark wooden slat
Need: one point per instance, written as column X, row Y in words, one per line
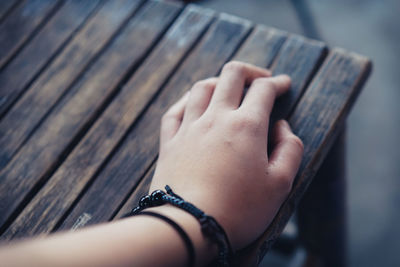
column 40, row 50
column 21, row 23
column 33, row 164
column 141, row 190
column 6, row 6
column 317, row 120
column 260, row 49
column 262, row 46
column 300, row 59
column 49, row 205
column 86, row 46
column 139, row 149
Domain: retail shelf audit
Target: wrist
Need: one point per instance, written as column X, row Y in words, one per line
column 205, row 249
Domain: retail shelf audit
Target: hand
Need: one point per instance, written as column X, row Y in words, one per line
column 213, row 150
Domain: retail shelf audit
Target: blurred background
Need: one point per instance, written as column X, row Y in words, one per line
column 372, row 28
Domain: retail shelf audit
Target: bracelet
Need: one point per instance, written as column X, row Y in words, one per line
column 209, row 226
column 181, row 232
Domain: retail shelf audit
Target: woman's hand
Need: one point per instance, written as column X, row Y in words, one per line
column 213, row 150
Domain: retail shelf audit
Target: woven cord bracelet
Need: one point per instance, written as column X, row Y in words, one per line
column 209, row 226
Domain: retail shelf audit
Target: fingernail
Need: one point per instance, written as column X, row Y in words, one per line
column 286, row 77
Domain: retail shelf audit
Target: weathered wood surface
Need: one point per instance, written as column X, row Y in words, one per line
column 41, row 49
column 262, row 46
column 50, row 204
column 83, row 50
column 139, row 149
column 80, row 145
column 140, row 190
column 20, row 24
column 299, row 58
column 6, row 6
column 317, row 119
column 69, row 120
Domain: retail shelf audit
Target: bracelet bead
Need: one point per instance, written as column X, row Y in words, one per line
column 157, row 197
column 144, row 202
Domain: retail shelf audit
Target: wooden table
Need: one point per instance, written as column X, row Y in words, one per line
column 83, row 85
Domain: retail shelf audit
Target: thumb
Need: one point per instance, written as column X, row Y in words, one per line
column 286, row 155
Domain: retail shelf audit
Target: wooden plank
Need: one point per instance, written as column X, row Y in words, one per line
column 317, row 119
column 140, row 148
column 77, row 110
column 82, row 51
column 21, row 23
column 299, row 58
column 141, row 190
column 50, row 204
column 5, row 7
column 262, row 46
column 41, row 49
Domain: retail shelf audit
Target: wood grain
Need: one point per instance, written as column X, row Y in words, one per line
column 50, row 204
column 43, row 47
column 140, row 148
column 317, row 119
column 56, row 79
column 262, row 46
column 21, row 23
column 299, row 58
column 5, row 7
column 77, row 110
column 142, row 189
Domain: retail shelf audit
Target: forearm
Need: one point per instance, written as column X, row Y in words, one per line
column 135, row 241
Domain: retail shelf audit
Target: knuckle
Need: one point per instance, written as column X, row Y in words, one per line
column 204, row 85
column 234, row 66
column 206, row 123
column 247, row 123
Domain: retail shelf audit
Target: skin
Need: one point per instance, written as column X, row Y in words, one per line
column 213, row 152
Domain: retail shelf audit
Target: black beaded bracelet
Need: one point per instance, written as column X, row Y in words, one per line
column 209, row 226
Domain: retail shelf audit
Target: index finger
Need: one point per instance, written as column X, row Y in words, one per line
column 260, row 97
column 234, row 76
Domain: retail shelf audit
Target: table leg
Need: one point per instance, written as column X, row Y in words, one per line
column 322, row 211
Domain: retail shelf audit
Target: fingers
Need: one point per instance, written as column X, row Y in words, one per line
column 200, row 96
column 286, row 155
column 234, row 76
column 172, row 119
column 260, row 97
